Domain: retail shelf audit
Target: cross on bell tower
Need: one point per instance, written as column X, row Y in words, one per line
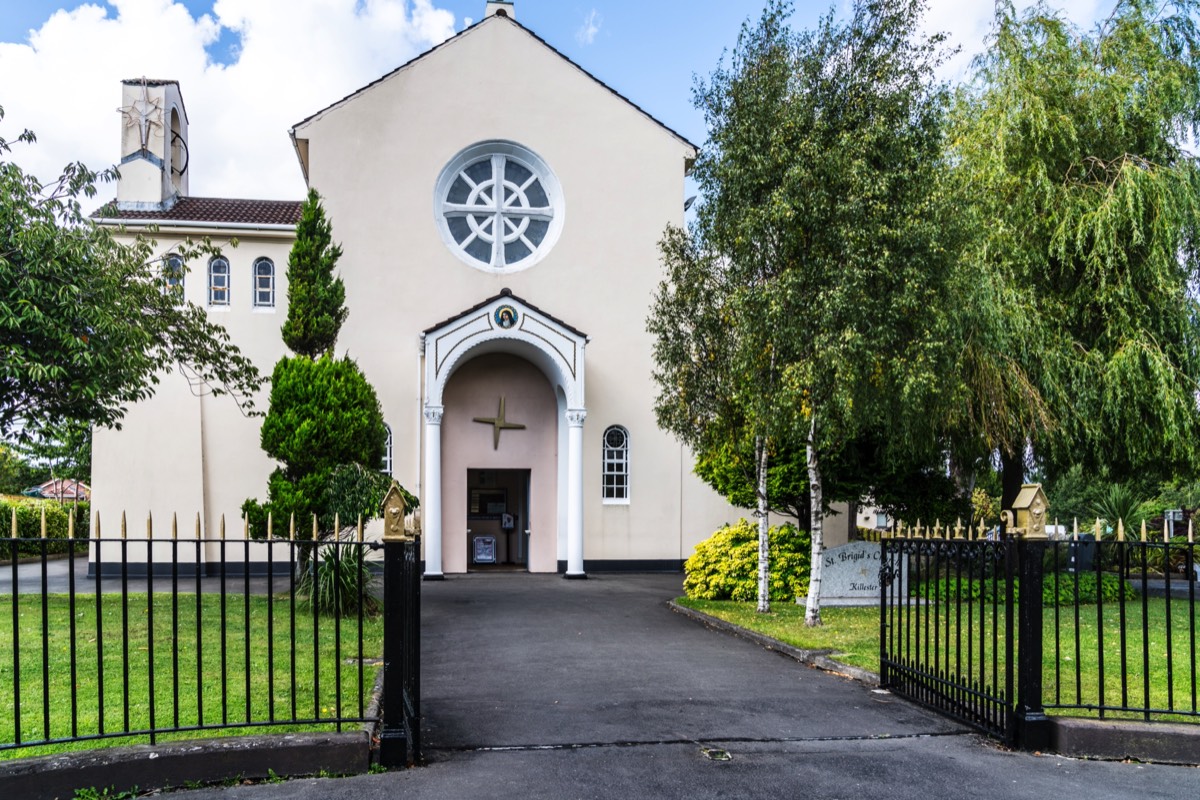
column 154, row 145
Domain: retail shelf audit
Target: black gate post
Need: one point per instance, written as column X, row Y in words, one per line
column 885, row 585
column 400, row 738
column 393, row 739
column 1033, row 727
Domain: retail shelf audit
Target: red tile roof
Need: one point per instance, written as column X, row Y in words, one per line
column 212, row 209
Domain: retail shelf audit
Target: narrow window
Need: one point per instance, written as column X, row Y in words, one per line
column 616, row 465
column 264, row 283
column 173, row 271
column 218, row 282
column 386, row 468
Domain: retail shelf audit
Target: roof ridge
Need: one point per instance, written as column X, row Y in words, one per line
column 231, row 210
column 473, row 27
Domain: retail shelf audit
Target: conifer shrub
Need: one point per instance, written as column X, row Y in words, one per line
column 725, row 565
column 323, row 414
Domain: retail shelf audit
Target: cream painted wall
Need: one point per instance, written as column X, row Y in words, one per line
column 376, row 158
column 376, row 161
column 186, row 451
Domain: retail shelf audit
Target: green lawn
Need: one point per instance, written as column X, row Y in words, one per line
column 851, row 633
column 853, row 636
column 198, row 680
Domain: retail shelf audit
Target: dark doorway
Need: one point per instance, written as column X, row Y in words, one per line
column 497, row 520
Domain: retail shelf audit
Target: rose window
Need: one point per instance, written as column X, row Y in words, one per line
column 499, row 207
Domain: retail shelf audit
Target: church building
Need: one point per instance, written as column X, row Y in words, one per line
column 499, row 231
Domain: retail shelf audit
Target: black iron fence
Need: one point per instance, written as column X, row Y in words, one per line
column 993, row 629
column 177, row 637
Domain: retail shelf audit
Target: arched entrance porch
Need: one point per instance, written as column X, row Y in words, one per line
column 499, row 467
column 504, row 324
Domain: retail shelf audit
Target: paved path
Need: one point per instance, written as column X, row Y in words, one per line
column 58, row 579
column 536, row 687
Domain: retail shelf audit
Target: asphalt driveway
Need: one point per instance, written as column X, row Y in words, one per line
column 537, row 687
column 537, row 661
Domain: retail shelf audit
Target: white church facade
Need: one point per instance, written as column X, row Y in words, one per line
column 500, row 234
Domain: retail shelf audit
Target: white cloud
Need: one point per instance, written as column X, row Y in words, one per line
column 591, row 26
column 968, row 24
column 295, row 57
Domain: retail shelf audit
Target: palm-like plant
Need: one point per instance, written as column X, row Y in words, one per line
column 1118, row 505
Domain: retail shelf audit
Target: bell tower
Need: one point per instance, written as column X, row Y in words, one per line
column 154, row 145
column 500, row 8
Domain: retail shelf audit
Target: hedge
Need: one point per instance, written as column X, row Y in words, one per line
column 957, row 589
column 29, row 524
column 725, row 565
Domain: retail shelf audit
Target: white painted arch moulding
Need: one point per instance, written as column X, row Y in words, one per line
column 551, row 345
column 505, row 324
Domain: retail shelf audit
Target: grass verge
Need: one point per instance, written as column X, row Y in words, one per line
column 1117, row 654
column 203, row 662
column 852, row 634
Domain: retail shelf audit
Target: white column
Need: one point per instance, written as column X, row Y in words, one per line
column 432, row 512
column 575, row 418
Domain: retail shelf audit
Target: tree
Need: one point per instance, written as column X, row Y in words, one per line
column 731, row 470
column 826, row 235
column 1073, row 160
column 63, row 450
column 324, row 423
column 908, row 486
column 316, row 299
column 17, row 474
column 87, row 325
column 323, row 414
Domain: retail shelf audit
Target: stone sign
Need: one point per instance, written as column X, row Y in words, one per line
column 850, row 575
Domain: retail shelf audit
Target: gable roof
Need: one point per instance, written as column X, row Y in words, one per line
column 505, row 293
column 486, row 21
column 210, row 209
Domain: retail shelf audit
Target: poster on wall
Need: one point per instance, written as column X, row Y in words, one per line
column 487, row 503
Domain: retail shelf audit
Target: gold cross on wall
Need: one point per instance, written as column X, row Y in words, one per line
column 499, row 423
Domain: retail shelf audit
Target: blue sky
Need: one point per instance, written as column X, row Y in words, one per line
column 230, row 57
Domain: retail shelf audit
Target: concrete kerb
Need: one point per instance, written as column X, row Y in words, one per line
column 200, row 761
column 1107, row 740
column 815, row 658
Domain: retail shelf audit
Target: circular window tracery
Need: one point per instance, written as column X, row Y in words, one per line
column 499, row 207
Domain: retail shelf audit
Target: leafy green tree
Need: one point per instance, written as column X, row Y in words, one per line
column 324, row 425
column 731, row 469
column 316, row 298
column 323, row 414
column 1074, row 163
column 905, row 486
column 87, row 325
column 16, row 473
column 62, row 450
column 807, row 300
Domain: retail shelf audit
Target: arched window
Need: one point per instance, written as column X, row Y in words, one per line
column 218, row 281
column 386, row 467
column 173, row 271
column 264, row 283
column 616, row 465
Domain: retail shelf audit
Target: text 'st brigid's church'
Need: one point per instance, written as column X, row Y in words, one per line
column 499, row 211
